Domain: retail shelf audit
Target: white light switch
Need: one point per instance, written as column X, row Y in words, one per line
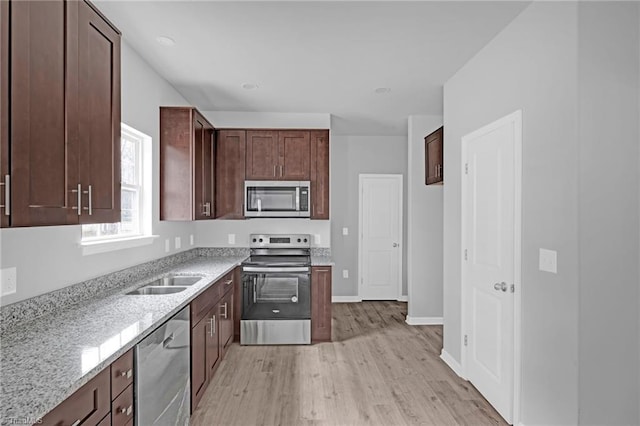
column 548, row 261
column 8, row 281
column 191, row 239
column 178, row 243
column 231, row 239
column 167, row 245
column 345, row 231
column 316, row 239
column 345, row 273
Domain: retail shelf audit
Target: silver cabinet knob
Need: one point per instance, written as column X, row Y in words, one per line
column 500, row 286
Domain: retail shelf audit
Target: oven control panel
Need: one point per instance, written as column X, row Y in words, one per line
column 280, row 241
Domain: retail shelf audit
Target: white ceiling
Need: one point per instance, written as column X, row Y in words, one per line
column 313, row 56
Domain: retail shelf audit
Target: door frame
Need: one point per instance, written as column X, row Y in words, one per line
column 516, row 119
column 400, row 179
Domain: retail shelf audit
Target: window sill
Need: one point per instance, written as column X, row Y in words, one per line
column 104, row 246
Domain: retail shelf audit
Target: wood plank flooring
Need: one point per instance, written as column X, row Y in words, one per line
column 377, row 371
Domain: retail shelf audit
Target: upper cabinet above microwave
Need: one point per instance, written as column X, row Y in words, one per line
column 60, row 114
column 278, row 155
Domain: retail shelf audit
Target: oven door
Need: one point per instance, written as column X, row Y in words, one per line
column 276, row 293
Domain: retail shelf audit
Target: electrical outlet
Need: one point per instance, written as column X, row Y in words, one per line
column 191, row 240
column 8, row 282
column 231, row 238
column 178, row 242
column 345, row 231
column 167, row 245
column 345, row 273
column 548, row 261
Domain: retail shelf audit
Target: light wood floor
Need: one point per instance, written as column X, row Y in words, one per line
column 377, row 371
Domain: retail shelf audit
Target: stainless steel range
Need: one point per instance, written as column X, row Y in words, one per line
column 276, row 291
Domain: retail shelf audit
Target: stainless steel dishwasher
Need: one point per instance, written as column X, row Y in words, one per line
column 163, row 389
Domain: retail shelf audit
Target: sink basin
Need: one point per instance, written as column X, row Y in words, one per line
column 150, row 289
column 176, row 280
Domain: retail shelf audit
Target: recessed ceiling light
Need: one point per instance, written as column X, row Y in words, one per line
column 249, row 86
column 166, row 41
column 381, row 90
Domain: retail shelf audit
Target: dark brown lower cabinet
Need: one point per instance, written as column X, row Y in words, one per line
column 122, row 408
column 88, row 405
column 321, row 303
column 211, row 334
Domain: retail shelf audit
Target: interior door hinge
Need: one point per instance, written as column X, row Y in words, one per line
column 465, row 340
column 465, row 254
column 466, row 168
column 513, row 288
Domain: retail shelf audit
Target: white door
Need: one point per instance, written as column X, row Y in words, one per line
column 490, row 207
column 380, row 237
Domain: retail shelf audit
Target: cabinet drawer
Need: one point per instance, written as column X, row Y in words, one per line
column 88, row 405
column 106, row 421
column 122, row 408
column 203, row 303
column 121, row 374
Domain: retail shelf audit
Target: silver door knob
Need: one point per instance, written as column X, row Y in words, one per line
column 395, row 244
column 500, row 286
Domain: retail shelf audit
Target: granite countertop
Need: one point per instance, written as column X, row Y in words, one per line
column 322, row 261
column 47, row 359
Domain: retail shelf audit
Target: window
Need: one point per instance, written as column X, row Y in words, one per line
column 135, row 193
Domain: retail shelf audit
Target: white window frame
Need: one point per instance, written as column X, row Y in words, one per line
column 144, row 236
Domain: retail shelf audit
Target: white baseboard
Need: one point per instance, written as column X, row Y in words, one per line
column 404, row 298
column 345, row 299
column 452, row 363
column 423, row 320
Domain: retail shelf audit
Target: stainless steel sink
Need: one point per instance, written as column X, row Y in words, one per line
column 176, row 280
column 150, row 289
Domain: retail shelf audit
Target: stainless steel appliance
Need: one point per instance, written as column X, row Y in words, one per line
column 163, row 390
column 277, row 198
column 276, row 291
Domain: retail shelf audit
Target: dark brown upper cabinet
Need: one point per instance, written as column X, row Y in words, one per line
column 433, row 160
column 319, row 174
column 187, row 152
column 230, row 173
column 61, row 91
column 278, row 155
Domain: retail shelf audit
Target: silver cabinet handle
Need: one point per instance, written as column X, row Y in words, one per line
column 500, row 286
column 127, row 410
column 282, row 171
column 79, row 192
column 76, row 423
column 207, row 209
column 225, row 311
column 7, row 195
column 90, row 194
column 128, row 373
column 228, row 282
column 274, row 170
column 212, row 322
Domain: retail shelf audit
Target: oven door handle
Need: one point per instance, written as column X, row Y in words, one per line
column 297, row 198
column 266, row 270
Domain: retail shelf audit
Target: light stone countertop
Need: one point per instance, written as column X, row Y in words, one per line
column 322, row 261
column 44, row 361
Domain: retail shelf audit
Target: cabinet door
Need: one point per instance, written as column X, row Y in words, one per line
column 320, row 304
column 226, row 322
column 230, row 172
column 262, row 155
column 88, row 405
column 433, row 154
column 294, row 150
column 44, row 111
column 4, row 110
column 213, row 341
column 199, row 341
column 99, row 116
column 320, row 174
column 203, row 146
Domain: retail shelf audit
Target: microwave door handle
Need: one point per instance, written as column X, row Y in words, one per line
column 298, row 198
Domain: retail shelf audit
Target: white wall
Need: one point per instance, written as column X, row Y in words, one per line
column 608, row 76
column 268, row 120
column 531, row 65
column 424, row 226
column 350, row 157
column 49, row 258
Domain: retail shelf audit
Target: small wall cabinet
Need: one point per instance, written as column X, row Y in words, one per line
column 230, row 173
column 187, row 152
column 434, row 157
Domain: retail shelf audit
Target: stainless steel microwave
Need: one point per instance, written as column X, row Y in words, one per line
column 277, row 198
